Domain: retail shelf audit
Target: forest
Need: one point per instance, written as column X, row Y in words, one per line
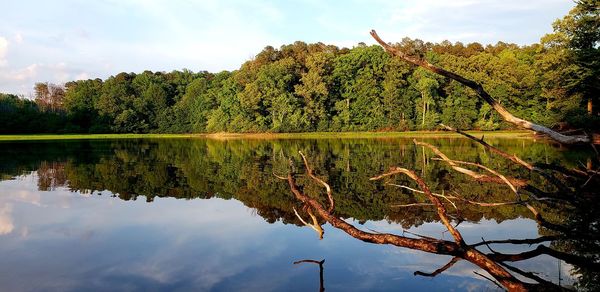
column 304, row 87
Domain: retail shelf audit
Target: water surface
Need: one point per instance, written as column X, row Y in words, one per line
column 198, row 214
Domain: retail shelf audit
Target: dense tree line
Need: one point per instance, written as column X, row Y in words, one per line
column 316, row 87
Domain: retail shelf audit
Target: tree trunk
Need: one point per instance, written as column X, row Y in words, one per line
column 424, row 109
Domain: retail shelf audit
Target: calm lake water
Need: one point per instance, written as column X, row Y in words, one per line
column 198, row 214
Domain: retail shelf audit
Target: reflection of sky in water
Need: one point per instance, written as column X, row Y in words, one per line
column 65, row 241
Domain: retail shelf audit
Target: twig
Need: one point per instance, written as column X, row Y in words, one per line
column 412, row 205
column 508, row 182
column 451, row 263
column 310, row 261
column 489, row 279
column 315, row 225
column 519, row 241
column 530, row 275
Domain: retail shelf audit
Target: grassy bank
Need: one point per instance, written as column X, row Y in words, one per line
column 310, row 135
column 88, row 136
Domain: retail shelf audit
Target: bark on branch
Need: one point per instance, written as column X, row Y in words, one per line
column 504, row 113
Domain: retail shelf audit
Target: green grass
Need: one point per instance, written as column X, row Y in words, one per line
column 88, row 136
column 309, row 135
column 413, row 134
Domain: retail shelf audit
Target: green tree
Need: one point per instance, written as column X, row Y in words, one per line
column 315, row 87
column 80, row 98
column 427, row 85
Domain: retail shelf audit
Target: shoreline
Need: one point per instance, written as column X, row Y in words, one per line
column 516, row 134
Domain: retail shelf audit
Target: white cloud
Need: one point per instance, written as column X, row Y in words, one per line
column 6, row 222
column 82, row 76
column 23, row 74
column 3, row 51
column 18, row 38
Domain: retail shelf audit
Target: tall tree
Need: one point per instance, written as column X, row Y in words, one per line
column 579, row 31
column 49, row 96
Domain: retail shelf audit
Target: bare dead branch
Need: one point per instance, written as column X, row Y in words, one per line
column 547, row 284
column 310, row 261
column 504, row 113
column 279, row 176
column 518, row 241
column 441, row 210
column 544, row 250
column 513, row 158
column 443, row 247
column 321, row 278
column 489, row 279
column 314, row 177
column 477, row 176
column 459, row 198
column 451, row 263
column 510, row 182
column 314, row 225
column 412, row 205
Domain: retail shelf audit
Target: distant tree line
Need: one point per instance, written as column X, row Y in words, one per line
column 316, row 87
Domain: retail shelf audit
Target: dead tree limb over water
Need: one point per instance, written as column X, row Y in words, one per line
column 478, row 88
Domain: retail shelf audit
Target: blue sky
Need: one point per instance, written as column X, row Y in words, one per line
column 64, row 40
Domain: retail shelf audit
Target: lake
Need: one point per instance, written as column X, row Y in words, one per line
column 212, row 215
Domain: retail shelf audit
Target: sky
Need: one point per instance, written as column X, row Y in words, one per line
column 63, row 40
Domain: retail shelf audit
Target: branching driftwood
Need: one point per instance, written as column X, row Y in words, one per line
column 504, row 113
column 493, row 263
column 457, row 248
